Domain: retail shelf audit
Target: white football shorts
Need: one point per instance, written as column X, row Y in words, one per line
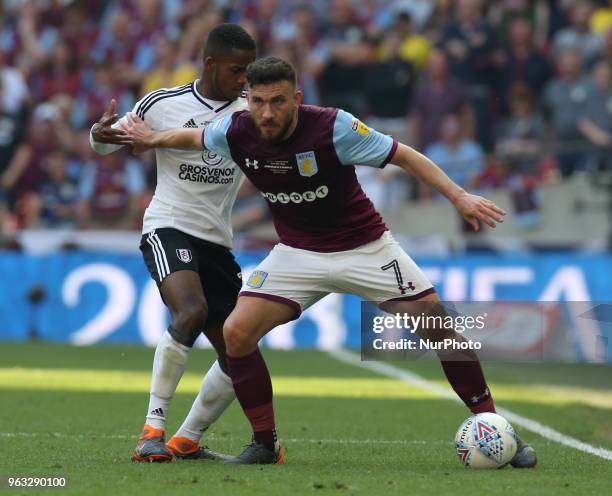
column 378, row 271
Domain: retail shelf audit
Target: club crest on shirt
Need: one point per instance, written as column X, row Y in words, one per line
column 257, row 279
column 360, row 128
column 211, row 158
column 307, row 163
column 184, row 255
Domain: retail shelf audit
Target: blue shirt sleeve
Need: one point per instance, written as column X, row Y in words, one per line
column 357, row 144
column 215, row 136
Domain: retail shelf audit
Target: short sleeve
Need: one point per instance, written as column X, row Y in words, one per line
column 357, row 144
column 215, row 136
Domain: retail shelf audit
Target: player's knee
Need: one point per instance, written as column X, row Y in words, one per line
column 188, row 321
column 236, row 335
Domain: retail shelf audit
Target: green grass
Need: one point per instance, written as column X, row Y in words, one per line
column 77, row 412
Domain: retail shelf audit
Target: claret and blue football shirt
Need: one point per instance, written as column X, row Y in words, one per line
column 309, row 179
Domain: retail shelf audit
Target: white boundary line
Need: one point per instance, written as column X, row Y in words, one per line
column 224, row 438
column 413, row 379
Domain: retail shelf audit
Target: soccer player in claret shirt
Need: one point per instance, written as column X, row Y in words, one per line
column 331, row 238
column 187, row 238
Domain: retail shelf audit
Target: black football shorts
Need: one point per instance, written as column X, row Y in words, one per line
column 168, row 250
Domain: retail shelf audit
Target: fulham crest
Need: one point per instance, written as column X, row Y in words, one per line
column 184, row 255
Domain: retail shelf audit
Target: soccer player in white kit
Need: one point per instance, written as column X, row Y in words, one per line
column 187, row 237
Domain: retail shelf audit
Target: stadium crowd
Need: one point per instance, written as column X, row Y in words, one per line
column 501, row 94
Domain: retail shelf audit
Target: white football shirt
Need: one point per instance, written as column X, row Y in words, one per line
column 195, row 190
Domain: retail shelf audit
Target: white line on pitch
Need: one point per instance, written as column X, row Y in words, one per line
column 225, row 438
column 413, row 379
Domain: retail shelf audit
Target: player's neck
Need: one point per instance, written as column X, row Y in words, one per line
column 293, row 125
column 208, row 91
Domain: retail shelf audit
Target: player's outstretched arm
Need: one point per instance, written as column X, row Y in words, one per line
column 143, row 137
column 474, row 209
column 106, row 136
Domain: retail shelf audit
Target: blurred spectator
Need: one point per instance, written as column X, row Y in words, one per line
column 607, row 47
column 270, row 18
column 523, row 63
column 470, row 44
column 497, row 174
column 564, row 97
column 33, row 38
column 596, row 119
column 388, row 88
column 577, row 36
column 186, row 10
column 503, row 14
column 14, row 92
column 149, row 26
column 441, row 17
column 110, row 190
column 438, row 94
column 601, row 19
column 525, row 201
column 25, row 173
column 305, row 76
column 196, row 29
column 54, row 205
column 387, row 188
column 419, row 11
column 521, row 135
column 92, row 101
column 461, row 158
column 341, row 81
column 169, row 70
column 61, row 73
column 413, row 47
column 14, row 150
column 79, row 31
column 117, row 43
column 306, row 48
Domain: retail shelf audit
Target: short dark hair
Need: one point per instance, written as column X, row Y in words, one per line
column 226, row 37
column 270, row 70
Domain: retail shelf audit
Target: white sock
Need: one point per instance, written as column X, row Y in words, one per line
column 168, row 367
column 216, row 394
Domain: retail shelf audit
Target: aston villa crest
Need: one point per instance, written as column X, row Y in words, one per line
column 307, row 163
column 257, row 279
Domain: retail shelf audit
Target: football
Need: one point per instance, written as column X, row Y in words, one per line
column 485, row 440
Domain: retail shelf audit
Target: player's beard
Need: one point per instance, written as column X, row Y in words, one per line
column 277, row 137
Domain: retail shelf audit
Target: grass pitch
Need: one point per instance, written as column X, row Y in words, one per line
column 76, row 412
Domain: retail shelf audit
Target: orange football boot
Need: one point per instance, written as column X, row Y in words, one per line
column 151, row 446
column 184, row 448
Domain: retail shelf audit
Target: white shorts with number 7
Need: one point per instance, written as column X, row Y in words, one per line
column 378, row 271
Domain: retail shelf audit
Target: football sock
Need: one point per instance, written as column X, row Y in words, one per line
column 216, row 394
column 168, row 367
column 463, row 371
column 253, row 387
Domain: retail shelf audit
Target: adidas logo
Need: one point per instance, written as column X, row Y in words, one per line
column 158, row 411
column 190, row 123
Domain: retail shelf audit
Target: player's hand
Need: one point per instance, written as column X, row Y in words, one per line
column 476, row 209
column 103, row 132
column 141, row 136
